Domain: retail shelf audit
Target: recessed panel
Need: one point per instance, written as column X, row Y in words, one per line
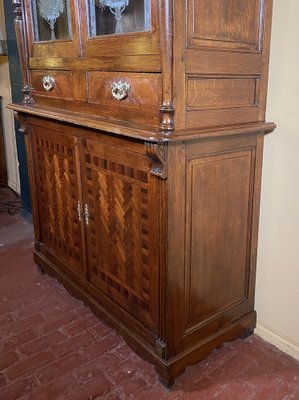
column 215, row 93
column 119, row 235
column 229, row 23
column 107, row 17
column 57, row 195
column 219, row 215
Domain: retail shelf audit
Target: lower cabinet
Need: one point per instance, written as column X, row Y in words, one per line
column 96, row 213
column 160, row 239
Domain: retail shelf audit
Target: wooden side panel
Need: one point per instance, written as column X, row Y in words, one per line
column 230, row 23
column 211, row 273
column 58, row 193
column 220, row 92
column 121, row 232
column 218, row 216
column 225, row 61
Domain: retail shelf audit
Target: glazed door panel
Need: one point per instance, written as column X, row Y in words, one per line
column 52, row 28
column 58, row 196
column 120, row 29
column 121, row 249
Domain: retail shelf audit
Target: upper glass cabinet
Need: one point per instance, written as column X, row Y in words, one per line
column 109, row 17
column 114, row 31
column 51, row 20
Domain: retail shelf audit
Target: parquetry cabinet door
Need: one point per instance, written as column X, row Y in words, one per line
column 58, row 197
column 121, row 230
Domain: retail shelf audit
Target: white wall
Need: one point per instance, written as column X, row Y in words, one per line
column 7, row 117
column 277, row 296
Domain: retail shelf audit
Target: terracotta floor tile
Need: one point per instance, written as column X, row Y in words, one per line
column 52, row 347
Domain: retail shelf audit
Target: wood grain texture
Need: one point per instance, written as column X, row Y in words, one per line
column 57, row 191
column 218, row 216
column 205, row 61
column 166, row 41
column 228, row 39
column 233, row 23
column 217, row 92
column 129, row 63
column 147, row 208
column 145, row 89
column 119, row 239
column 68, row 85
column 224, row 116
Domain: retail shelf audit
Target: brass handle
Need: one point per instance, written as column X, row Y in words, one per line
column 120, row 90
column 48, row 82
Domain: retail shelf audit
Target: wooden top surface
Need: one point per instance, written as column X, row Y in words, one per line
column 140, row 132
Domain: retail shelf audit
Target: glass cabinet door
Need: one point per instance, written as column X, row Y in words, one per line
column 51, row 20
column 52, row 28
column 107, row 17
column 119, row 30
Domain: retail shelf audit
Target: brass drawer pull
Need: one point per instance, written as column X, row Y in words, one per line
column 120, row 90
column 48, row 82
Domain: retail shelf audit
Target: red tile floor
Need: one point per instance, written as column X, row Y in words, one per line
column 52, row 346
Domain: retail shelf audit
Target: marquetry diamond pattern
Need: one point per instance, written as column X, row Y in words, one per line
column 57, row 193
column 119, row 232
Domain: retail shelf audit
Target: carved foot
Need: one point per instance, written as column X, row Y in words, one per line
column 166, row 379
column 247, row 333
column 168, row 383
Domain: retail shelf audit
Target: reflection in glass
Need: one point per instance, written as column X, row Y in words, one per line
column 51, row 19
column 118, row 16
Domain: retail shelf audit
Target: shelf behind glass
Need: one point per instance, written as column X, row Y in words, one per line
column 51, row 20
column 108, row 17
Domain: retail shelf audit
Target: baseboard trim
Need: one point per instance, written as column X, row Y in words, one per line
column 14, row 186
column 279, row 340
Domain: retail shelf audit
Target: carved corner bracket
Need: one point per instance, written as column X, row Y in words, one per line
column 22, row 121
column 157, row 153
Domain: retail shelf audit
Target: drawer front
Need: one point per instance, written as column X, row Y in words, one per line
column 129, row 92
column 69, row 85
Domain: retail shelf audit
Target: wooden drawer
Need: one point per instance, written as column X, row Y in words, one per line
column 142, row 94
column 64, row 85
